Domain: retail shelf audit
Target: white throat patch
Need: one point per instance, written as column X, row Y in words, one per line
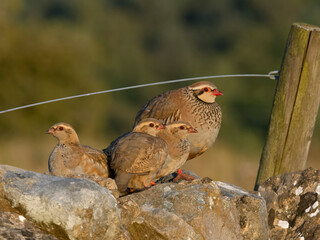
column 207, row 97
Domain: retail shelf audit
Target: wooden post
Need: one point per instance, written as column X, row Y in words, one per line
column 295, row 105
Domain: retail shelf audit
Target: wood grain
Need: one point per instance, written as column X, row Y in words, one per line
column 295, row 105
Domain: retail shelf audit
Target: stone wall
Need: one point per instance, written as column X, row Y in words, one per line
column 40, row 206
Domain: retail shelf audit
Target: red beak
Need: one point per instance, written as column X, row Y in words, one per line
column 192, row 130
column 216, row 92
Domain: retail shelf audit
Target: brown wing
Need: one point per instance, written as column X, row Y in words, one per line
column 93, row 152
column 165, row 106
column 112, row 146
column 95, row 161
column 139, row 153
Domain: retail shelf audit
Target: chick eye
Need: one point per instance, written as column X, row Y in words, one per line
column 60, row 128
column 182, row 127
column 206, row 89
column 151, row 125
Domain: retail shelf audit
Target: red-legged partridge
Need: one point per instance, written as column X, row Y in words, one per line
column 136, row 157
column 70, row 158
column 194, row 104
column 175, row 135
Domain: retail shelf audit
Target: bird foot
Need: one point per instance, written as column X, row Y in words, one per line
column 183, row 176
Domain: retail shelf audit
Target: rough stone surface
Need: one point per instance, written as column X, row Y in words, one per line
column 67, row 207
column 108, row 183
column 14, row 226
column 293, row 205
column 200, row 209
column 251, row 209
column 39, row 206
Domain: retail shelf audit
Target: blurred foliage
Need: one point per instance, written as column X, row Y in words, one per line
column 55, row 48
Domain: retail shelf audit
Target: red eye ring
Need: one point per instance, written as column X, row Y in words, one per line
column 151, row 125
column 206, row 89
column 60, row 128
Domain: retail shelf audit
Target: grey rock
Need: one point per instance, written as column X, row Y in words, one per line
column 293, row 205
column 14, row 226
column 77, row 208
column 66, row 207
column 108, row 183
column 251, row 208
column 200, row 209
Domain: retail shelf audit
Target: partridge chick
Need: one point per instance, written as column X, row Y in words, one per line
column 136, row 157
column 194, row 104
column 70, row 158
column 175, row 135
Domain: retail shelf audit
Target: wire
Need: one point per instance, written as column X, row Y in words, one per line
column 272, row 75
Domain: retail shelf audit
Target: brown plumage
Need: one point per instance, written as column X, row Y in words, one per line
column 175, row 135
column 70, row 158
column 136, row 157
column 194, row 104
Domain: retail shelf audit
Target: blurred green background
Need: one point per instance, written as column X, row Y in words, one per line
column 55, row 48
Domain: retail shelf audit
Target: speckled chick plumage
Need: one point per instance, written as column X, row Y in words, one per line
column 136, row 157
column 70, row 158
column 175, row 135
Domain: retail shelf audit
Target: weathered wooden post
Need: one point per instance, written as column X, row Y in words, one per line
column 295, row 105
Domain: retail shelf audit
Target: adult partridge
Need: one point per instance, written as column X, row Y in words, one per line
column 136, row 157
column 70, row 158
column 194, row 104
column 175, row 135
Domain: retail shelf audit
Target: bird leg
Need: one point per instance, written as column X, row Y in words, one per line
column 181, row 175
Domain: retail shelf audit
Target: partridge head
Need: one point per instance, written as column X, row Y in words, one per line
column 149, row 126
column 194, row 104
column 70, row 158
column 137, row 157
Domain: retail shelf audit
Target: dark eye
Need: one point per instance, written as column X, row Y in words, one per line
column 182, row 127
column 60, row 128
column 151, row 125
column 206, row 89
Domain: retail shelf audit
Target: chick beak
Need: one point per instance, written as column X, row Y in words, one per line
column 216, row 92
column 161, row 126
column 50, row 131
column 192, row 130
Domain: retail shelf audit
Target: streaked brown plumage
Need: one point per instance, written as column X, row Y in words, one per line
column 70, row 158
column 175, row 135
column 194, row 104
column 136, row 157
